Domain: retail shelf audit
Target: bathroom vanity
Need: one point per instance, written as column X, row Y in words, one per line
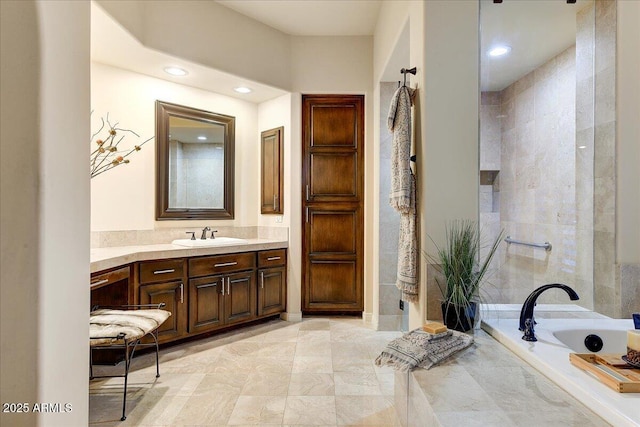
column 205, row 289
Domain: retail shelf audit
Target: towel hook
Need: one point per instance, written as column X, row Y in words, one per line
column 404, row 71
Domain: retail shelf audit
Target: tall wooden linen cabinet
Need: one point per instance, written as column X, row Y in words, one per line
column 333, row 203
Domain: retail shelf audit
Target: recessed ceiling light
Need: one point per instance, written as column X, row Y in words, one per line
column 242, row 89
column 175, row 71
column 202, row 138
column 499, row 50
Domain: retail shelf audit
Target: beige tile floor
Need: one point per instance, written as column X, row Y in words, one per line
column 316, row 372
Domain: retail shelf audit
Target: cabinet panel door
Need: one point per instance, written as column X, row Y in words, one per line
column 272, row 171
column 205, row 304
column 272, row 291
column 333, row 270
column 240, row 297
column 173, row 295
column 333, row 203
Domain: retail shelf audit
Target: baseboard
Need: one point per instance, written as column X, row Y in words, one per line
column 291, row 317
column 367, row 318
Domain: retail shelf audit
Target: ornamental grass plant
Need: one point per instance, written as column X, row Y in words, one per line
column 463, row 271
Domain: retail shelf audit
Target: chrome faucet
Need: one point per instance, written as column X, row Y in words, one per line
column 204, row 233
column 527, row 322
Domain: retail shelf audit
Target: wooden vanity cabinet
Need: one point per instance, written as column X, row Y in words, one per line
column 222, row 291
column 272, row 282
column 164, row 281
column 203, row 293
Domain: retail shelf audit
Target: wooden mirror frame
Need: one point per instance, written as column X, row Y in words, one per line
column 164, row 111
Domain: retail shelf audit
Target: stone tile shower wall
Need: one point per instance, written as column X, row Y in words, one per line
column 389, row 315
column 583, row 229
column 534, row 197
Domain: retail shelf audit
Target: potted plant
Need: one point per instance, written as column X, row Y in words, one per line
column 463, row 272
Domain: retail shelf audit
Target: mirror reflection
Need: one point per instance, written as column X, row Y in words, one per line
column 196, row 158
column 195, row 163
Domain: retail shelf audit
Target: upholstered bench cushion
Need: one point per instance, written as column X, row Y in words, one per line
column 133, row 323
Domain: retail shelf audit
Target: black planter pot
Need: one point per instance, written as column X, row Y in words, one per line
column 457, row 317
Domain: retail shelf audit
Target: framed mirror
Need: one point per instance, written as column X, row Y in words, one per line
column 194, row 163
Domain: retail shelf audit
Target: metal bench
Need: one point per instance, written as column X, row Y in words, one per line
column 124, row 327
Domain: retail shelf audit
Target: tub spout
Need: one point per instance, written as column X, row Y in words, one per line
column 527, row 321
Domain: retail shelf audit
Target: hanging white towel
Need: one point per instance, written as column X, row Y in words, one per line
column 403, row 191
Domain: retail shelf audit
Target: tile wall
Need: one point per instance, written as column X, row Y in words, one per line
column 544, row 188
column 557, row 174
column 389, row 315
column 108, row 239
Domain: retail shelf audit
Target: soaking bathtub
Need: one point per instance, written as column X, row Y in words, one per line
column 557, row 338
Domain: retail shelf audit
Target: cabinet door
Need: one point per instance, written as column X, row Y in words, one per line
column 240, row 297
column 272, row 171
column 272, row 291
column 173, row 295
column 206, row 306
column 333, row 203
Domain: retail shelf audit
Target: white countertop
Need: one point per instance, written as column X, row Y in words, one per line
column 105, row 258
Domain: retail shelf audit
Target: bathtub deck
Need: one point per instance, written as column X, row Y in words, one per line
column 551, row 358
column 486, row 385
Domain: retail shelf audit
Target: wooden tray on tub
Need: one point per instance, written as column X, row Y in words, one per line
column 610, row 369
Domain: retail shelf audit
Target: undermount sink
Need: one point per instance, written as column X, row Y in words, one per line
column 208, row 243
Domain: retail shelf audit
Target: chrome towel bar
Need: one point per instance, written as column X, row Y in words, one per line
column 546, row 245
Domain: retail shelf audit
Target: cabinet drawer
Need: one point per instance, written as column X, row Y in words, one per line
column 104, row 279
column 218, row 264
column 272, row 258
column 161, row 271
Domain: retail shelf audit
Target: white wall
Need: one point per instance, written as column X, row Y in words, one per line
column 45, row 295
column 334, row 65
column 392, row 19
column 449, row 157
column 124, row 198
column 628, row 133
column 273, row 114
column 19, row 177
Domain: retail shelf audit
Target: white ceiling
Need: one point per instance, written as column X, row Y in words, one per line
column 312, row 17
column 536, row 30
column 111, row 44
